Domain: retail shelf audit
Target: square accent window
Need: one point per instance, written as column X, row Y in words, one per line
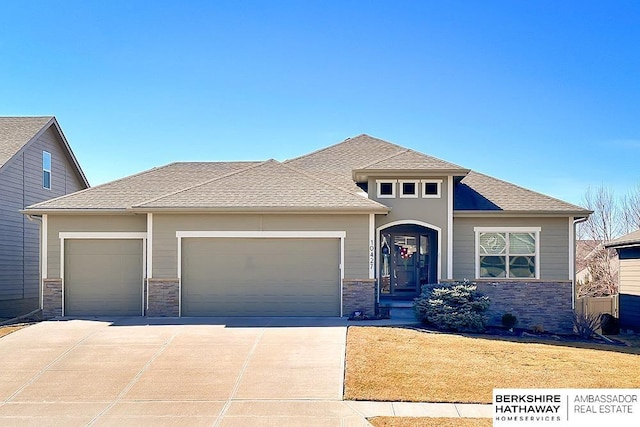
column 46, row 170
column 386, row 189
column 509, row 254
column 409, row 189
column 431, row 188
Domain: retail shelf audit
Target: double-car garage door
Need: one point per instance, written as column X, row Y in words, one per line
column 260, row 277
column 219, row 277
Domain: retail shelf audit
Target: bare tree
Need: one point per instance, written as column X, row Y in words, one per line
column 630, row 206
column 602, row 226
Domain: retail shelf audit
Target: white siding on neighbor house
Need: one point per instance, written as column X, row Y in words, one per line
column 86, row 223
column 630, row 276
column 165, row 243
column 21, row 186
column 554, row 244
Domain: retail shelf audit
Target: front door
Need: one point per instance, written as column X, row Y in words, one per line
column 407, row 261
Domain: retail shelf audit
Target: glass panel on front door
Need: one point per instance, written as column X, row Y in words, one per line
column 405, row 264
column 404, row 260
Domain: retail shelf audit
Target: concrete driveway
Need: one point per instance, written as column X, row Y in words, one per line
column 210, row 372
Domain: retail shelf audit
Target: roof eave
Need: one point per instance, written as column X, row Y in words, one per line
column 259, row 209
column 360, row 175
column 547, row 213
column 73, row 211
column 623, row 245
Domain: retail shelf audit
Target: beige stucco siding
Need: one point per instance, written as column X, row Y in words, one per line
column 554, row 244
column 630, row 276
column 165, row 244
column 85, row 223
column 433, row 211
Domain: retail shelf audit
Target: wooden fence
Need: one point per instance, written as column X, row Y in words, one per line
column 598, row 305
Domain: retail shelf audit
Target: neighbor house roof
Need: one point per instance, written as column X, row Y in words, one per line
column 631, row 239
column 16, row 133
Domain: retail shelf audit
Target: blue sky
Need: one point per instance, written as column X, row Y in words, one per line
column 545, row 94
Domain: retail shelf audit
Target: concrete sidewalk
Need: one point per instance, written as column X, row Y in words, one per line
column 413, row 409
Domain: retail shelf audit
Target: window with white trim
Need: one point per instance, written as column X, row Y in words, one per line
column 386, row 189
column 507, row 253
column 431, row 188
column 409, row 189
column 46, row 170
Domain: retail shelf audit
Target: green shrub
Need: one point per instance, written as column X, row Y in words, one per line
column 459, row 307
column 509, row 320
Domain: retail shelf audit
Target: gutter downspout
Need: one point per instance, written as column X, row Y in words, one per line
column 573, row 279
column 38, row 219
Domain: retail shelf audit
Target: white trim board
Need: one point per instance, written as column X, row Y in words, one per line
column 265, row 234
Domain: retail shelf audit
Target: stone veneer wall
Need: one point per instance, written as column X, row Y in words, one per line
column 52, row 298
column 545, row 304
column 163, row 297
column 359, row 294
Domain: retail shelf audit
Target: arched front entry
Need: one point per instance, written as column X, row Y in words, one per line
column 408, row 259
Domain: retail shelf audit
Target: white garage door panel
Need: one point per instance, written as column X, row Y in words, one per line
column 103, row 277
column 260, row 277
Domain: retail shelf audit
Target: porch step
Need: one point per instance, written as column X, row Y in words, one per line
column 402, row 313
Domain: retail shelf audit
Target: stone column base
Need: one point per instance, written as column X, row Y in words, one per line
column 359, row 295
column 163, row 296
column 51, row 298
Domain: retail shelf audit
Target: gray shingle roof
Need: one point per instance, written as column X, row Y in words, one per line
column 478, row 192
column 410, row 159
column 135, row 189
column 16, row 132
column 319, row 180
column 269, row 185
column 631, row 239
column 337, row 162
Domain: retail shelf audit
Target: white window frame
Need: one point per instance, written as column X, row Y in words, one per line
column 393, row 183
column 45, row 170
column 479, row 230
column 424, row 188
column 415, row 182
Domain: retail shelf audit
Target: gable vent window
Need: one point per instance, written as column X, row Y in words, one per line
column 46, row 170
column 386, row 189
column 409, row 189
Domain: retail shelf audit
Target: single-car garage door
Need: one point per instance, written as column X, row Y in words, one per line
column 103, row 277
column 260, row 277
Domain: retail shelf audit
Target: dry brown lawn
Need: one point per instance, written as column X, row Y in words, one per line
column 429, row 422
column 396, row 364
column 6, row 330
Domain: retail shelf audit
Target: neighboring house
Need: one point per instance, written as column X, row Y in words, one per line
column 355, row 225
column 628, row 248
column 36, row 164
column 590, row 254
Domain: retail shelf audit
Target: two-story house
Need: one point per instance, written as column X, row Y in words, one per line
column 354, row 226
column 36, row 164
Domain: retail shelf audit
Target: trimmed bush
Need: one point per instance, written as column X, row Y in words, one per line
column 458, row 307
